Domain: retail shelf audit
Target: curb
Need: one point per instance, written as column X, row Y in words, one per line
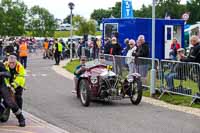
column 189, row 110
column 44, row 123
column 34, row 125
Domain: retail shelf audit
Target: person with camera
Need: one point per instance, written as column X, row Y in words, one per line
column 80, row 69
column 194, row 55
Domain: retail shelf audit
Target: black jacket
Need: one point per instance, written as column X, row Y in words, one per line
column 194, row 55
column 106, row 48
column 9, row 49
column 143, row 50
column 115, row 49
column 2, row 69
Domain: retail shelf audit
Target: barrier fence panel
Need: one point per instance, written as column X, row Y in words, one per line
column 1, row 52
column 90, row 53
column 108, row 60
column 181, row 78
column 103, row 60
column 144, row 66
column 127, row 65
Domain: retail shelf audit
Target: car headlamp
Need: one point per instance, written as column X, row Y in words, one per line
column 109, row 67
column 130, row 79
column 93, row 79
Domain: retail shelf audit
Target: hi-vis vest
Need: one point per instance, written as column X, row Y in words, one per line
column 59, row 47
column 19, row 77
column 46, row 45
column 23, row 50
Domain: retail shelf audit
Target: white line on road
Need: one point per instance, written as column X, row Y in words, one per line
column 44, row 75
column 36, row 75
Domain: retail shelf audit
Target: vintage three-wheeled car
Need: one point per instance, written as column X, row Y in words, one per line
column 99, row 82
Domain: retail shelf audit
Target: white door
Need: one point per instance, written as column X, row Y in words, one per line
column 169, row 29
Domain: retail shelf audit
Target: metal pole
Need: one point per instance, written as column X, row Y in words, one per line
column 153, row 71
column 71, row 37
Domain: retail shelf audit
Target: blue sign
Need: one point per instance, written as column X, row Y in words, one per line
column 126, row 9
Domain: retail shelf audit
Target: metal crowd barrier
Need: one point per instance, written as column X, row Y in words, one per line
column 2, row 54
column 181, row 78
column 127, row 65
column 108, row 60
column 173, row 77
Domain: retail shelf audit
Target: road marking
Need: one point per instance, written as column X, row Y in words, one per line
column 7, row 126
column 44, row 75
column 14, row 130
column 36, row 75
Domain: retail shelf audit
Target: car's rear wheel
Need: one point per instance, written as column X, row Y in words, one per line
column 136, row 92
column 5, row 116
column 84, row 92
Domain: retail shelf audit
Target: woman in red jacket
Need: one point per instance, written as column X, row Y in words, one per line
column 173, row 48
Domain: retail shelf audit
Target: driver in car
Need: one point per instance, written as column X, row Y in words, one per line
column 80, row 69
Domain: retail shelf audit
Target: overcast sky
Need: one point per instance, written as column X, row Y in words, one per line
column 59, row 8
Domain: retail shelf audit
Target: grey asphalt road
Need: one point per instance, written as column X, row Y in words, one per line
column 49, row 97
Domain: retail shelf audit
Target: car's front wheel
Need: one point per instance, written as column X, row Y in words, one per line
column 84, row 92
column 136, row 92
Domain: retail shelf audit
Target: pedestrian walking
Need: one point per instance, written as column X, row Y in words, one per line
column 57, row 51
column 23, row 53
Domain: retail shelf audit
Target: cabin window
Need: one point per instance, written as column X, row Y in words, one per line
column 109, row 29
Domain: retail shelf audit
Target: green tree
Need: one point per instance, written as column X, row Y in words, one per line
column 41, row 22
column 193, row 6
column 99, row 14
column 144, row 12
column 13, row 16
column 116, row 10
column 68, row 19
column 83, row 26
column 171, row 7
column 1, row 20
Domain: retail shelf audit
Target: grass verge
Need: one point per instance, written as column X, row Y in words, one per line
column 174, row 99
column 72, row 65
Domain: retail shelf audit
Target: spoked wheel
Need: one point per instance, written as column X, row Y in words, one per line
column 5, row 116
column 136, row 92
column 84, row 92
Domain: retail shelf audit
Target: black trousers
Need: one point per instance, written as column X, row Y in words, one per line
column 9, row 100
column 57, row 57
column 18, row 97
column 23, row 61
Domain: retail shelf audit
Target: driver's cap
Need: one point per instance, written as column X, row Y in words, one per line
column 83, row 58
column 181, row 50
